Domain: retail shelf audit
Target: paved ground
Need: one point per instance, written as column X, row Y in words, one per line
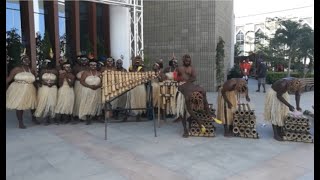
column 79, row 152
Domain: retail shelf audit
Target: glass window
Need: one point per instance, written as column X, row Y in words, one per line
column 13, row 34
column 62, row 25
column 68, row 46
column 84, row 31
column 13, row 20
column 100, row 31
column 39, row 20
column 240, row 38
column 258, row 39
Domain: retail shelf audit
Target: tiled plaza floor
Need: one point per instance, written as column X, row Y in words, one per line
column 79, row 152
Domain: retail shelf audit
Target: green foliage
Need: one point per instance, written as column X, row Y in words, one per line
column 100, row 48
column 46, row 46
column 274, row 76
column 220, row 61
column 235, row 72
column 88, row 45
column 43, row 46
column 65, row 46
column 13, row 48
column 237, row 50
column 291, row 45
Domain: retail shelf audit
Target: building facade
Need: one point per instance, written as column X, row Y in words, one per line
column 190, row 27
column 103, row 28
column 248, row 26
column 122, row 29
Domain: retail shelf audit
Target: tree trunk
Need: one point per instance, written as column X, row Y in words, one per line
column 289, row 65
column 304, row 66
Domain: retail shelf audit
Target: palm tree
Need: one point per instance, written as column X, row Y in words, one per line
column 296, row 38
column 306, row 49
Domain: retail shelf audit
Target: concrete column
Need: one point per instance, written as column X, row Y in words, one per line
column 93, row 27
column 74, row 27
column 106, row 29
column 52, row 26
column 27, row 28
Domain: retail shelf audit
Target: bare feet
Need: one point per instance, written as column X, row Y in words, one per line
column 185, row 134
column 22, row 126
column 177, row 120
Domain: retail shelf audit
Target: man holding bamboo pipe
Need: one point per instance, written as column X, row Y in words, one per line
column 277, row 105
column 228, row 97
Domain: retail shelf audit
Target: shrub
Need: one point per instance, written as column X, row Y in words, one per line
column 274, row 76
column 235, row 72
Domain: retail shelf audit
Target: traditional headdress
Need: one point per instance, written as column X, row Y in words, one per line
column 91, row 57
column 48, row 59
column 23, row 54
column 63, row 59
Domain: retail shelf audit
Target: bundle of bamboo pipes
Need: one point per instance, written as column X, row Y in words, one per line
column 195, row 129
column 168, row 91
column 114, row 83
column 297, row 128
column 244, row 121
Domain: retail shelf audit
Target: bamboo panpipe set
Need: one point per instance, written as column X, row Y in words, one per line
column 195, row 130
column 114, row 83
column 244, row 121
column 297, row 128
column 168, row 91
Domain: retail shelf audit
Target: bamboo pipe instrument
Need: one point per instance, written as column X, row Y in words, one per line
column 247, row 131
column 252, row 122
column 241, row 130
column 254, row 132
column 235, row 130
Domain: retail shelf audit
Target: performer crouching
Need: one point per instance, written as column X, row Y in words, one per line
column 91, row 100
column 228, row 98
column 64, row 107
column 277, row 103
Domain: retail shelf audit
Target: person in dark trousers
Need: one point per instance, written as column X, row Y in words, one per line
column 261, row 75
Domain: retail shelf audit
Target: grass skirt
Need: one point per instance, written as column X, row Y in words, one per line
column 77, row 97
column 137, row 98
column 65, row 99
column 91, row 102
column 181, row 105
column 232, row 97
column 274, row 110
column 47, row 100
column 21, row 96
column 155, row 94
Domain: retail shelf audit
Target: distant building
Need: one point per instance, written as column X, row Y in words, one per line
column 248, row 26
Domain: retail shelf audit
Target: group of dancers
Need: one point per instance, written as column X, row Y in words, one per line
column 68, row 94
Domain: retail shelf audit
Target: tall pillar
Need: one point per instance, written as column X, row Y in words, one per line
column 93, row 27
column 28, row 32
column 74, row 23
column 52, row 27
column 106, row 29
